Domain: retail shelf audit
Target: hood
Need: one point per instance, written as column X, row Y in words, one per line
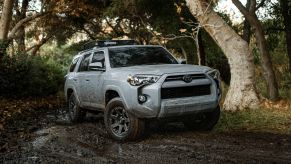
column 161, row 69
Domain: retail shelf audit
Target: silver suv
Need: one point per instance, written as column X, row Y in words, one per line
column 135, row 83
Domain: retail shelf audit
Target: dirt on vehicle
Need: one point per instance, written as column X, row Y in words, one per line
column 48, row 137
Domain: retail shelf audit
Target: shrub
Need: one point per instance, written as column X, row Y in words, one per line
column 22, row 76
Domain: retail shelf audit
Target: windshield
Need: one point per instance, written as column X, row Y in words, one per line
column 125, row 57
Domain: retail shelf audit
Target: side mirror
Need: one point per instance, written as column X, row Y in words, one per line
column 182, row 61
column 97, row 66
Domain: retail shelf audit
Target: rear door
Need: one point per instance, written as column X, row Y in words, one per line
column 71, row 75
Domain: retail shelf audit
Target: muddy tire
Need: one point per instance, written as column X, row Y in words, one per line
column 203, row 121
column 120, row 124
column 75, row 112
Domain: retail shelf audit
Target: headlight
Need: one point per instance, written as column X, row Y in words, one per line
column 137, row 80
column 214, row 74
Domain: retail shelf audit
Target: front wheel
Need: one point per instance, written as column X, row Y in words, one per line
column 203, row 121
column 120, row 124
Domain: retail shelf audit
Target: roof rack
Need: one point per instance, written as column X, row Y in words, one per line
column 107, row 43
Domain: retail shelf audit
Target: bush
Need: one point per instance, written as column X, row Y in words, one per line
column 22, row 76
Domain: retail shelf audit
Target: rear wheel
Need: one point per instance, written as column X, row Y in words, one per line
column 75, row 112
column 203, row 121
column 120, row 124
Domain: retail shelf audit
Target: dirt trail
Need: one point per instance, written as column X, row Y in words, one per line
column 49, row 138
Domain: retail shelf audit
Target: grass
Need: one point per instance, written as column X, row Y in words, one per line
column 260, row 120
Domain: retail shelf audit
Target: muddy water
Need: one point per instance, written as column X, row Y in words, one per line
column 55, row 140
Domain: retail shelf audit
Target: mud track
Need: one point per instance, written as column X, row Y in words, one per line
column 47, row 137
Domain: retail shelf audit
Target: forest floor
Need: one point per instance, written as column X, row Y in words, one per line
column 45, row 136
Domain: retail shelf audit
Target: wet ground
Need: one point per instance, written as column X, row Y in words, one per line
column 47, row 137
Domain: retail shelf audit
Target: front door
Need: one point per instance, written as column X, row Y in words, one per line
column 82, row 80
column 95, row 81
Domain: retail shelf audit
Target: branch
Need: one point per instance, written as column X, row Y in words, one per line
column 261, row 4
column 22, row 22
column 275, row 29
column 241, row 7
column 112, row 27
column 16, row 7
column 40, row 43
column 150, row 31
column 173, row 37
column 253, row 6
column 88, row 33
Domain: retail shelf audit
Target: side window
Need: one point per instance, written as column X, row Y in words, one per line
column 84, row 63
column 99, row 57
column 73, row 64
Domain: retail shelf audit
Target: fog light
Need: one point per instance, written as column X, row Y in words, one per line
column 142, row 98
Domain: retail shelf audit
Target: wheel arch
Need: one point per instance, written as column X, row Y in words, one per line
column 71, row 91
column 110, row 94
column 115, row 91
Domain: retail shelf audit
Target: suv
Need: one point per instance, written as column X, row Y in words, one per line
column 134, row 83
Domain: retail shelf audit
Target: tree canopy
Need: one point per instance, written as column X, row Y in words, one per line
column 56, row 29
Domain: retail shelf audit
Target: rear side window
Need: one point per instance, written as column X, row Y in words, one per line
column 73, row 64
column 84, row 63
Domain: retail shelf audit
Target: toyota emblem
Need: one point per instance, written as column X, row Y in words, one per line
column 187, row 78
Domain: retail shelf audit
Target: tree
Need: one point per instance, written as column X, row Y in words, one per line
column 286, row 13
column 6, row 17
column 21, row 14
column 251, row 17
column 246, row 26
column 241, row 92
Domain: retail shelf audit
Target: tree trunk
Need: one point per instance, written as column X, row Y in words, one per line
column 247, row 27
column 5, row 24
column 247, row 31
column 200, row 49
column 269, row 73
column 267, row 65
column 286, row 12
column 6, row 19
column 241, row 93
column 21, row 32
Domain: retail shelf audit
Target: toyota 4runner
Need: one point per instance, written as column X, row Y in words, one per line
column 134, row 83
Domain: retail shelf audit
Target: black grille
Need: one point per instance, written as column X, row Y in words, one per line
column 180, row 77
column 179, row 92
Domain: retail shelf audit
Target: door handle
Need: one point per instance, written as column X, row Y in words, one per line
column 74, row 79
column 87, row 80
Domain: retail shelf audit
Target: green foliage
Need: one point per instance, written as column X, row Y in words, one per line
column 22, row 76
column 61, row 54
column 215, row 58
column 188, row 45
column 3, row 47
column 160, row 15
column 277, row 46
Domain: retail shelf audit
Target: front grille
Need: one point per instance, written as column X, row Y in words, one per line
column 180, row 77
column 190, row 91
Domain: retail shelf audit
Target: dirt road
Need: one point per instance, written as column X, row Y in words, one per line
column 47, row 137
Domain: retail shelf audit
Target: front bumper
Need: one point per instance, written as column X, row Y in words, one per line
column 156, row 107
column 185, row 106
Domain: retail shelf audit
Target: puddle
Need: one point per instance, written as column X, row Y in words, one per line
column 43, row 136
